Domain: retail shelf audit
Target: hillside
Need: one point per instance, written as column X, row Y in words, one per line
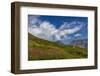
column 39, row 49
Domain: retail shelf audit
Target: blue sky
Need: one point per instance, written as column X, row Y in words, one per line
column 55, row 28
column 58, row 20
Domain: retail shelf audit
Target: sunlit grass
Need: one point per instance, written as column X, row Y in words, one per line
column 40, row 49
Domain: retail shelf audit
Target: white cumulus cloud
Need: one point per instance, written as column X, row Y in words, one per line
column 48, row 31
column 45, row 30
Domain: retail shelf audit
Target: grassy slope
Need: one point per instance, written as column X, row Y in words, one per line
column 40, row 49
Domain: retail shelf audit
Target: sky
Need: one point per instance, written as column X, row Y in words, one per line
column 58, row 28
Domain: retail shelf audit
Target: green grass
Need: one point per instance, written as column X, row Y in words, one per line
column 39, row 49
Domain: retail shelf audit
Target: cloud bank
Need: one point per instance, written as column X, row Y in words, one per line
column 48, row 31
